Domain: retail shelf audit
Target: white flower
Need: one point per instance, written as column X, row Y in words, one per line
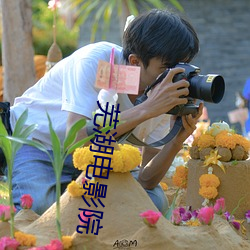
column 54, row 4
column 217, row 127
column 128, row 21
column 105, row 96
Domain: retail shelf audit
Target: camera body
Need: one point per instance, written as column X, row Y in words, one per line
column 209, row 88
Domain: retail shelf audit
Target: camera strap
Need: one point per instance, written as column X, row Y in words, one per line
column 131, row 138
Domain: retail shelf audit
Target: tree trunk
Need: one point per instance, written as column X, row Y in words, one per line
column 17, row 48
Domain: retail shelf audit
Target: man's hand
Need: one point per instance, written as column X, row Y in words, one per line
column 167, row 94
column 188, row 125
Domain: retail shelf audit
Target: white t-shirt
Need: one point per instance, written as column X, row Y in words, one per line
column 69, row 86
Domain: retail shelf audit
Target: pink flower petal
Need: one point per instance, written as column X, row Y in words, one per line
column 151, row 217
column 206, row 215
column 26, row 201
column 219, row 206
column 7, row 242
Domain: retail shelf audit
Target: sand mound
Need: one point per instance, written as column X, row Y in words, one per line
column 122, row 226
column 234, row 185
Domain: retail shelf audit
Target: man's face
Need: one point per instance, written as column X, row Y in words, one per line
column 148, row 75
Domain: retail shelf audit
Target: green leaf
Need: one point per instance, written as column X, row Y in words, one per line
column 82, row 142
column 132, row 7
column 71, row 136
column 107, row 15
column 238, row 205
column 20, row 123
column 28, row 130
column 103, row 8
column 177, row 5
column 5, row 144
column 85, row 11
column 24, row 134
column 56, row 147
column 172, row 207
column 157, row 4
column 32, row 143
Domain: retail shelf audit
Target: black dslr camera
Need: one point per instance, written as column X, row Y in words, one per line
column 209, row 88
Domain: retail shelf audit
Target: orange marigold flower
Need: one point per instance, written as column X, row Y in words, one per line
column 164, row 186
column 182, row 171
column 209, row 180
column 225, row 139
column 208, row 192
column 67, row 242
column 206, row 141
column 180, row 177
column 24, row 239
column 243, row 141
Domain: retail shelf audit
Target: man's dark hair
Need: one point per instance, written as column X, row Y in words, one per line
column 162, row 34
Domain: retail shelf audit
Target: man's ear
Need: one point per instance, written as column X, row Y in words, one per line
column 134, row 60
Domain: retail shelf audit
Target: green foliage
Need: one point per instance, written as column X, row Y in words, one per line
column 172, row 206
column 42, row 19
column 60, row 152
column 101, row 11
column 4, row 193
column 9, row 149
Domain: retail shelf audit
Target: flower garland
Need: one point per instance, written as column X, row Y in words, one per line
column 76, row 189
column 122, row 160
column 24, row 239
column 180, row 177
column 222, row 139
column 208, row 186
column 219, row 136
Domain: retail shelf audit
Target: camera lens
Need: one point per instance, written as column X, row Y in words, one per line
column 209, row 88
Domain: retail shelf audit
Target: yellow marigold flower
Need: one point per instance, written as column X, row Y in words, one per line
column 193, row 223
column 206, row 141
column 209, row 180
column 75, row 189
column 82, row 157
column 123, row 160
column 164, row 186
column 67, row 242
column 180, row 177
column 208, row 192
column 28, row 240
column 117, row 162
column 131, row 158
column 225, row 139
column 97, row 160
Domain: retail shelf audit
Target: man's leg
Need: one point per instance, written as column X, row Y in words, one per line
column 33, row 174
column 156, row 194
